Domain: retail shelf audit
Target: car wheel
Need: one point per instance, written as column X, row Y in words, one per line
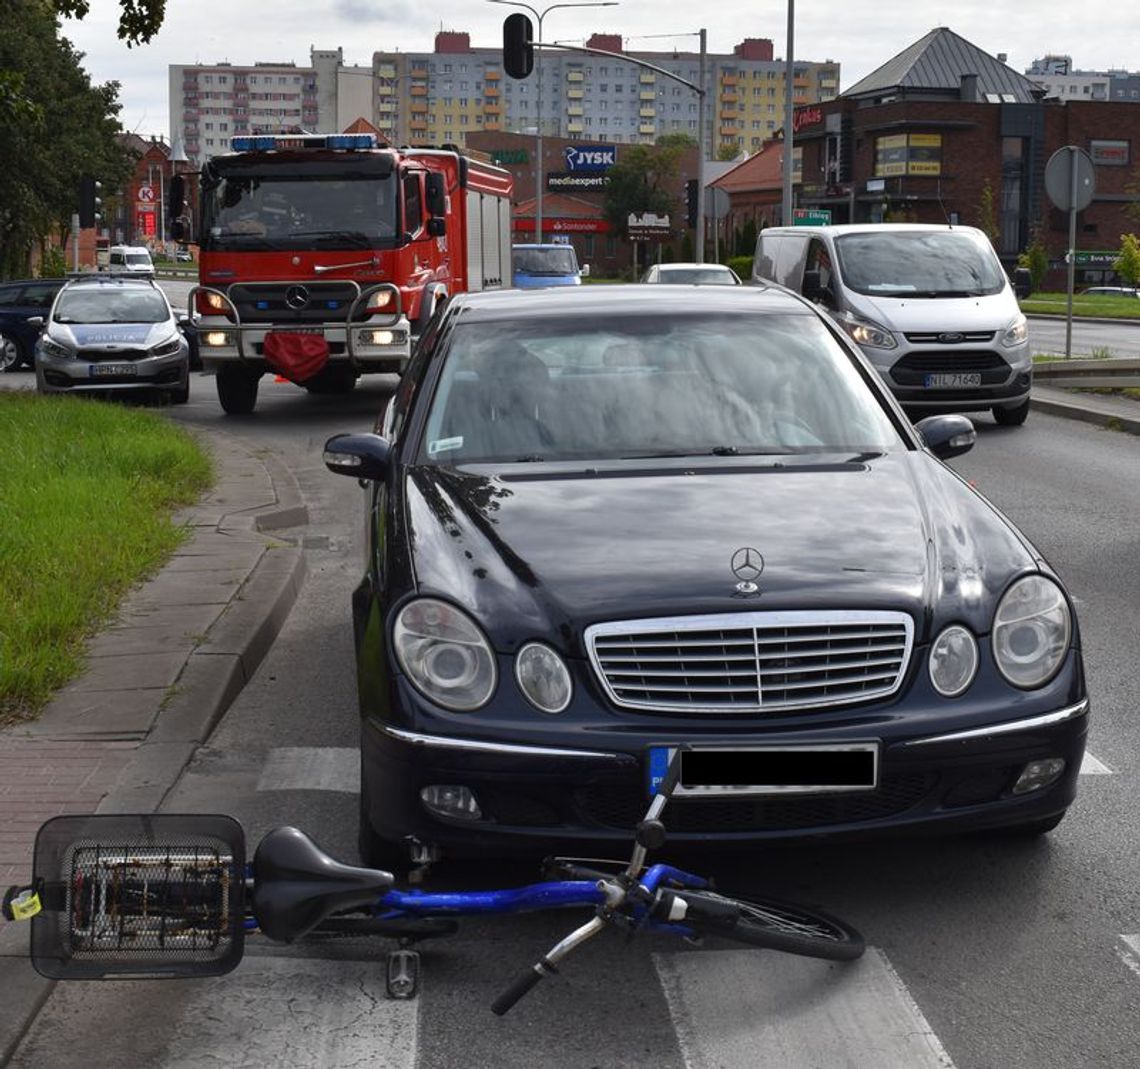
column 11, row 355
column 181, row 394
column 237, row 390
column 1012, row 417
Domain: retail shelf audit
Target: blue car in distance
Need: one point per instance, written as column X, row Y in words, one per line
column 20, row 301
column 541, row 266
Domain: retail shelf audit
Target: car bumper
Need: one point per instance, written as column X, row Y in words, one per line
column 70, row 375
column 535, row 797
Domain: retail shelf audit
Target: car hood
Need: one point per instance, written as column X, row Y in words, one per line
column 906, row 314
column 537, row 554
column 96, row 335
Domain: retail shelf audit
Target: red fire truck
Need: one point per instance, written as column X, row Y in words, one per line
column 323, row 256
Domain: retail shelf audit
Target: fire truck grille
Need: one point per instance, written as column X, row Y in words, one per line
column 293, row 302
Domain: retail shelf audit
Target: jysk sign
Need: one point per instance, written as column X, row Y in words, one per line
column 590, row 157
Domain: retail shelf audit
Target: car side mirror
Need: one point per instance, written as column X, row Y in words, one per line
column 1022, row 282
column 35, row 321
column 947, row 436
column 585, row 272
column 360, row 456
column 437, row 226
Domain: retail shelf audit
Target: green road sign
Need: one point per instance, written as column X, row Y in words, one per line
column 811, row 216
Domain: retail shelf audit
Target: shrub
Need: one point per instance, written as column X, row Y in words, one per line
column 742, row 265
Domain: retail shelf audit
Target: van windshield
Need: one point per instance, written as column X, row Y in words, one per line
column 556, row 261
column 938, row 263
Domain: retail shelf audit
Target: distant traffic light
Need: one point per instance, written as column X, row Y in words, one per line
column 518, row 45
column 691, row 188
column 90, row 203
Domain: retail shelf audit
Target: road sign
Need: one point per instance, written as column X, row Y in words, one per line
column 811, row 216
column 146, row 194
column 716, row 203
column 646, row 226
column 1059, row 179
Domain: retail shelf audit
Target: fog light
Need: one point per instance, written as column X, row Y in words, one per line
column 448, row 800
column 1038, row 774
column 381, row 337
column 218, row 338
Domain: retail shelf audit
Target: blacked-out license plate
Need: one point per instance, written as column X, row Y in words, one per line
column 771, row 769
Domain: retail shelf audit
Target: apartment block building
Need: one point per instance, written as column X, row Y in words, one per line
column 1061, row 81
column 438, row 97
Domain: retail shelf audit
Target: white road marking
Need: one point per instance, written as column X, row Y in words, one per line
column 756, row 1009
column 311, row 768
column 1130, row 952
column 1090, row 766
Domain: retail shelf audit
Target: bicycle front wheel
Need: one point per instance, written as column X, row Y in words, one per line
column 775, row 925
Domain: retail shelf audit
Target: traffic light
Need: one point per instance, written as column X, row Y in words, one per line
column 90, row 203
column 691, row 202
column 518, row 45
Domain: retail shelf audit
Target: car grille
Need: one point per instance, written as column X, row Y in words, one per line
column 102, row 356
column 622, row 806
column 935, row 337
column 913, row 368
column 265, row 302
column 751, row 662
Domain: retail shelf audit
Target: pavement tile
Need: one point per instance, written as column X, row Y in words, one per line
column 188, row 588
column 119, row 641
column 105, row 714
column 143, row 671
column 196, row 618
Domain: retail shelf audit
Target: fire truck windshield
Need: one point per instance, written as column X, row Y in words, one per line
column 243, row 212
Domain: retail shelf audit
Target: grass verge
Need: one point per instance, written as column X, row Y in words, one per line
column 1097, row 307
column 86, row 495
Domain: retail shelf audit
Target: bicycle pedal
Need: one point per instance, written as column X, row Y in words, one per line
column 403, row 973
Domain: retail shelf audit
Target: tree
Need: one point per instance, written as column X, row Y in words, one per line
column 139, row 20
column 646, row 180
column 54, row 126
column 987, row 215
column 1132, row 187
column 1036, row 258
column 727, row 151
column 1127, row 264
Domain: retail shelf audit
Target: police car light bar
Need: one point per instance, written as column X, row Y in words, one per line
column 277, row 142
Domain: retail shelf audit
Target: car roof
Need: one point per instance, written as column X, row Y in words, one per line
column 692, row 266
column 112, row 280
column 839, row 229
column 629, row 299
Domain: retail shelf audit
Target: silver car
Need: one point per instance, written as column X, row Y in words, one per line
column 113, row 334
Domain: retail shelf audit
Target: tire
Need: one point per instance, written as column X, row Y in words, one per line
column 774, row 925
column 180, row 394
column 11, row 355
column 237, row 390
column 1011, row 417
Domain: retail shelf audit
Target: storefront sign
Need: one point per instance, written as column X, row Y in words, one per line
column 1109, row 153
column 567, row 181
column 808, row 116
column 590, row 157
column 916, row 154
column 510, row 155
column 562, row 226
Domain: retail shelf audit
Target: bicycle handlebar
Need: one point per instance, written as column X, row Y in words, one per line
column 523, row 983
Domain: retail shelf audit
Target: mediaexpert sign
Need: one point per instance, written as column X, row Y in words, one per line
column 569, row 181
column 590, row 157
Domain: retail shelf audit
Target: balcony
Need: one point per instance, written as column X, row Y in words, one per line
column 574, row 94
column 574, row 126
column 648, row 113
column 647, row 95
column 418, row 124
column 575, row 76
column 419, row 72
column 729, row 80
column 491, row 75
column 729, row 98
column 801, row 83
column 647, row 128
column 647, row 78
column 386, row 70
column 418, row 107
column 729, row 130
column 574, row 109
column 492, row 109
column 491, row 92
column 418, row 90
column 386, row 107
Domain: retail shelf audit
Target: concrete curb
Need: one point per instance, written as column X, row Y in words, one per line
column 1100, row 417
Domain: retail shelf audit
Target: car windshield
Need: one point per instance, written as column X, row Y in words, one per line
column 561, row 261
column 244, row 212
column 929, row 263
column 111, row 305
column 636, row 387
column 696, row 276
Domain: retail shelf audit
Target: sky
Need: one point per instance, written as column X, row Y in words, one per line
column 860, row 35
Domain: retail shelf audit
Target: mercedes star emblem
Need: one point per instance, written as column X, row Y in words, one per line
column 296, row 297
column 747, row 565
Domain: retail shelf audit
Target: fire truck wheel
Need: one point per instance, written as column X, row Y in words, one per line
column 237, row 390
column 333, row 378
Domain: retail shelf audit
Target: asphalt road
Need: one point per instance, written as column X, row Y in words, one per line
column 985, row 953
column 1101, row 339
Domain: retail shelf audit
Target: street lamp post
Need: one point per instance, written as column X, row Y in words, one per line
column 539, row 16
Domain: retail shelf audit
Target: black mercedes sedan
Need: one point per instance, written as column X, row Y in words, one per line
column 609, row 522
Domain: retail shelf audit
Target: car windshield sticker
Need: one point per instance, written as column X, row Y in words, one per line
column 110, row 334
column 444, row 445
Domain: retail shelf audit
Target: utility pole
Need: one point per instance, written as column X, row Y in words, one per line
column 702, row 99
column 789, row 93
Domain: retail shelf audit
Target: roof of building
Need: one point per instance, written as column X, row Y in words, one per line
column 762, row 170
column 560, row 206
column 937, row 62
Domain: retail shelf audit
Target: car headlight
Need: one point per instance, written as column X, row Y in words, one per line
column 1016, row 333
column 53, row 348
column 445, row 654
column 1031, row 633
column 543, row 677
column 953, row 661
column 167, row 348
column 867, row 332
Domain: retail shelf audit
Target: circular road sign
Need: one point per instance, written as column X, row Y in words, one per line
column 146, row 194
column 1059, row 179
column 717, row 202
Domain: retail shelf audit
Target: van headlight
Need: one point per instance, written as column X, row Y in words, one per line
column 1016, row 333
column 1031, row 633
column 866, row 332
column 445, row 654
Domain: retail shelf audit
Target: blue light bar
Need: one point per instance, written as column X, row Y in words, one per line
column 272, row 142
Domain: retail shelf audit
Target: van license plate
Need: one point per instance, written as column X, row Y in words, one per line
column 955, row 381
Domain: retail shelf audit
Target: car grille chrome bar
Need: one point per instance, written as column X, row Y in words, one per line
column 761, row 662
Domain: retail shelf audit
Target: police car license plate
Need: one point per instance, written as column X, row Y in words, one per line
column 761, row 770
column 958, row 380
column 99, row 371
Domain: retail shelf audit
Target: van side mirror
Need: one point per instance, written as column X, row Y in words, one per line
column 585, row 272
column 436, row 194
column 1022, row 282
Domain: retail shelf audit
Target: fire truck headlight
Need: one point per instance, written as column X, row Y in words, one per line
column 218, row 338
column 381, row 337
column 215, row 301
column 381, row 300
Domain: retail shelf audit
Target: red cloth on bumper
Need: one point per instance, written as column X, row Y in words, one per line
column 296, row 356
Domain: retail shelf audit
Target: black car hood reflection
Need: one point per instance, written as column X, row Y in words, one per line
column 532, row 553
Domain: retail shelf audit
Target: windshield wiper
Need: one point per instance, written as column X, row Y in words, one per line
column 715, row 451
column 353, row 238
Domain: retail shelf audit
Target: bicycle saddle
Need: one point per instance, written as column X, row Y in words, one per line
column 296, row 885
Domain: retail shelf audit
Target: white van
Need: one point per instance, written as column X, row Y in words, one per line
column 929, row 305
column 130, row 260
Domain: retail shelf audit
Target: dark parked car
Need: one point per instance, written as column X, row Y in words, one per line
column 19, row 302
column 607, row 522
